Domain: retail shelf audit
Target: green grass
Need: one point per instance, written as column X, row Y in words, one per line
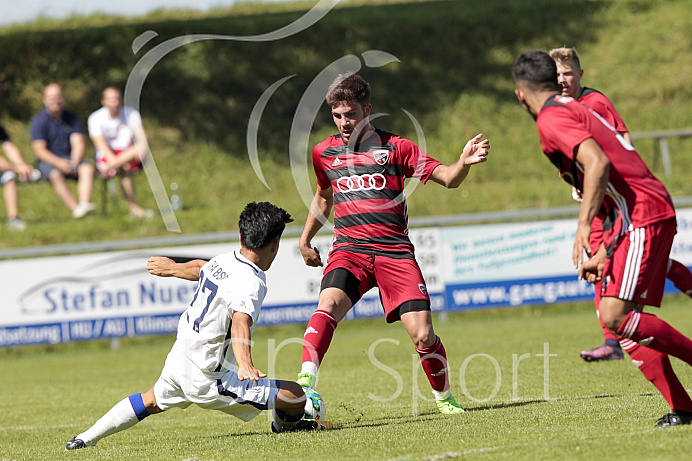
column 593, row 410
column 454, row 77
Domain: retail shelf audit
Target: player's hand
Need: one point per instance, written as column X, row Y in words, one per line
column 581, row 245
column 475, row 151
column 250, row 373
column 592, row 269
column 311, row 255
column 161, row 266
column 576, row 195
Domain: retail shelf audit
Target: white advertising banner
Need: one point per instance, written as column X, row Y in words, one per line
column 524, row 263
column 111, row 294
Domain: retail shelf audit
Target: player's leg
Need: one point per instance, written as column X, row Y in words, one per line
column 656, row 367
column 333, row 306
column 433, row 357
column 635, row 277
column 646, row 329
column 123, row 415
column 681, row 276
column 610, row 349
column 405, row 297
column 165, row 394
column 346, row 277
column 289, row 408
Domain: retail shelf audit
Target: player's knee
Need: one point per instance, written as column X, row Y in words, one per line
column 149, row 401
column 612, row 321
column 423, row 337
column 290, row 398
column 613, row 312
column 334, row 302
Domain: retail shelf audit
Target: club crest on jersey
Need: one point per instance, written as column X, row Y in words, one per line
column 381, row 156
column 423, row 289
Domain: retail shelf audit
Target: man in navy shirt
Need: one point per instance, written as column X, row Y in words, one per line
column 57, row 137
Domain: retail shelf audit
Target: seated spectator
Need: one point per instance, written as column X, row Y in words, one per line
column 121, row 144
column 8, row 179
column 57, row 137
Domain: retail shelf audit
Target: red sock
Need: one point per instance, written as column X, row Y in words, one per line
column 434, row 362
column 650, row 331
column 681, row 277
column 656, row 368
column 318, row 336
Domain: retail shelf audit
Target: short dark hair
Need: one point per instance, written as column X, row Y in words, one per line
column 348, row 88
column 262, row 223
column 537, row 69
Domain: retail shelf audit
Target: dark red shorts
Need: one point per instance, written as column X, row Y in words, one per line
column 637, row 269
column 399, row 280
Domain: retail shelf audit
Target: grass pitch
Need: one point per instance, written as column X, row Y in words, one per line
column 516, row 371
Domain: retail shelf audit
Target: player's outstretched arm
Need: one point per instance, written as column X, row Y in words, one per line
column 166, row 267
column 240, row 342
column 475, row 151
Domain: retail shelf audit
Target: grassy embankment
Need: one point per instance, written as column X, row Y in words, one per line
column 453, row 77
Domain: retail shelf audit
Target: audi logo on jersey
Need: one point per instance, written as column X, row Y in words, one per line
column 355, row 183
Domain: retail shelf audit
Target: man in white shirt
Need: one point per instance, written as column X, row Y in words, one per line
column 121, row 144
column 214, row 335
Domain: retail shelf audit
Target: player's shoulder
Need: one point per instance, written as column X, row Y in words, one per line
column 591, row 96
column 234, row 261
column 331, row 141
column 590, row 92
column 390, row 140
column 330, row 147
column 387, row 136
column 560, row 105
column 559, row 111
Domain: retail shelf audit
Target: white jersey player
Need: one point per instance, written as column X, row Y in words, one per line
column 214, row 336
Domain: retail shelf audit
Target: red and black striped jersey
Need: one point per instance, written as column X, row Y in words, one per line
column 370, row 214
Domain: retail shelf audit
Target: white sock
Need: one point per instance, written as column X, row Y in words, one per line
column 309, row 367
column 440, row 396
column 120, row 417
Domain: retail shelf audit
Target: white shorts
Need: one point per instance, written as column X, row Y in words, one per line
column 181, row 384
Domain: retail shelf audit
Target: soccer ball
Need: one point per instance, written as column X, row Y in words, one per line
column 314, row 405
